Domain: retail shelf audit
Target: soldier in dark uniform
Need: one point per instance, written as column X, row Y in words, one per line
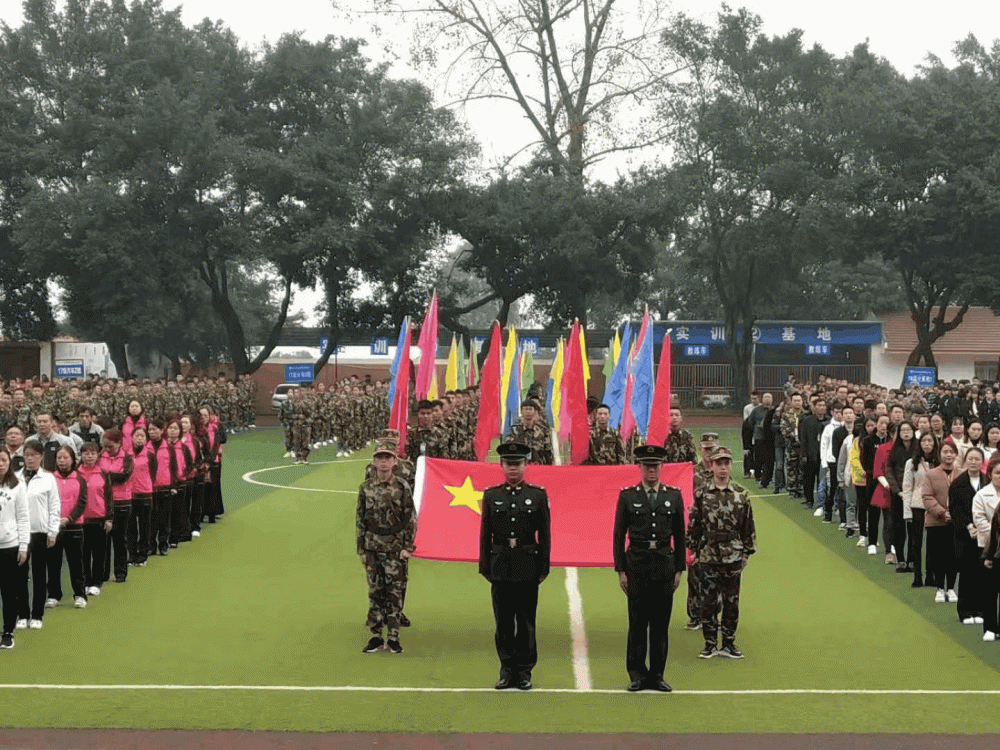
column 649, row 571
column 722, row 536
column 386, row 524
column 514, row 546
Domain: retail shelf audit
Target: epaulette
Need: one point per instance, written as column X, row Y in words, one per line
column 736, row 488
column 534, row 486
column 672, row 487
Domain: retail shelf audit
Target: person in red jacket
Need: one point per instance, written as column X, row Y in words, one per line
column 163, row 463
column 142, row 499
column 69, row 542
column 194, row 492
column 181, row 464
column 135, row 419
column 117, row 463
column 96, row 518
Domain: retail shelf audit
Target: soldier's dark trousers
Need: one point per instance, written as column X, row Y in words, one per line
column 763, row 462
column 649, row 606
column 793, row 471
column 722, row 582
column 514, row 606
column 810, row 472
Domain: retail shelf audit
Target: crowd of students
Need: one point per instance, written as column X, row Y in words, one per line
column 102, row 500
column 900, row 467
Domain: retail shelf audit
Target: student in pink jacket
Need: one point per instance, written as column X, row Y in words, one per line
column 69, row 542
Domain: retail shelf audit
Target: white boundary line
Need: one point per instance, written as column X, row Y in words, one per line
column 581, row 659
column 248, row 476
column 569, row 691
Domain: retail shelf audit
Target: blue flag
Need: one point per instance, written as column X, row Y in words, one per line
column 394, row 367
column 512, row 412
column 614, row 391
column 643, row 380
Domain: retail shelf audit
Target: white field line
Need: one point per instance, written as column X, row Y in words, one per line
column 581, row 658
column 248, row 477
column 569, row 691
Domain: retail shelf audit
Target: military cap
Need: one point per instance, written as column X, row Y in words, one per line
column 650, row 454
column 721, row 452
column 709, row 438
column 513, row 451
column 384, row 449
column 390, row 434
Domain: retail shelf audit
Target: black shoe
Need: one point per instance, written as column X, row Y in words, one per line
column 850, row 533
column 730, row 651
column 635, row 686
column 119, row 579
column 173, row 545
column 163, row 552
column 404, row 621
column 708, row 652
column 660, row 685
column 917, row 583
column 373, row 645
column 505, row 682
column 394, row 647
column 524, row 682
column 777, row 491
column 7, row 641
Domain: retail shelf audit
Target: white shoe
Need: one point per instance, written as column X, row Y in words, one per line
column 35, row 624
column 989, row 636
column 79, row 602
column 969, row 621
column 21, row 624
column 842, row 526
column 195, row 533
column 288, row 454
column 939, row 597
column 952, row 596
column 862, row 541
column 818, row 512
column 872, row 549
column 978, row 620
column 50, row 603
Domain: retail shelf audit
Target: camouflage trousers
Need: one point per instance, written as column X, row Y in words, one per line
column 793, row 470
column 301, row 438
column 721, row 582
column 387, row 575
column 696, row 593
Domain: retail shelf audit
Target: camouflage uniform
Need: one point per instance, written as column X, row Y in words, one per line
column 302, row 428
column 535, row 437
column 793, row 451
column 286, row 412
column 722, row 536
column 425, row 441
column 386, row 524
column 680, row 447
column 606, row 447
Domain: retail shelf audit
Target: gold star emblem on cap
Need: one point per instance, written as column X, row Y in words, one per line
column 466, row 495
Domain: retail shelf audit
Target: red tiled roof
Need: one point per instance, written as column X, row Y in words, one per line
column 979, row 333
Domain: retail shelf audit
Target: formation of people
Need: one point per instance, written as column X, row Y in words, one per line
column 913, row 473
column 102, row 495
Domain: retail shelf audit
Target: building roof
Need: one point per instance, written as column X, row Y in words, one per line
column 978, row 334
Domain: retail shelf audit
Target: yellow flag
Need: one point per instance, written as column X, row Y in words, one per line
column 451, row 372
column 509, row 355
column 555, row 385
column 583, row 352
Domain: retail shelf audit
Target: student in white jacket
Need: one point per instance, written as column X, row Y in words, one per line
column 15, row 533
column 984, row 506
column 42, row 494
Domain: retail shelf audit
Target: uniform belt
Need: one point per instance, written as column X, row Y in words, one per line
column 721, row 536
column 648, row 544
column 514, row 542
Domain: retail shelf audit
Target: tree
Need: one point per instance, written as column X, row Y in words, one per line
column 752, row 147
column 924, row 179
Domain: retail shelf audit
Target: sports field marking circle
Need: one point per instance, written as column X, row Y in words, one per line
column 248, row 477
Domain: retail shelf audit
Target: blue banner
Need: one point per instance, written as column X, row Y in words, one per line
column 301, row 373
column 776, row 333
column 925, row 377
column 530, row 344
column 695, row 350
column 817, row 350
column 380, row 346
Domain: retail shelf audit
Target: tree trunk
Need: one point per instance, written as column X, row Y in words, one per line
column 218, row 283
column 332, row 283
column 116, row 351
column 275, row 335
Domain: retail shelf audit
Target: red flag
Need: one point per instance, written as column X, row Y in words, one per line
column 400, row 399
column 426, row 384
column 574, row 400
column 488, row 422
column 659, row 416
column 582, row 500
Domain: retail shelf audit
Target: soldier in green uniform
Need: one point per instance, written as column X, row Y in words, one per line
column 722, row 537
column 651, row 514
column 301, row 424
column 386, row 522
column 793, row 448
column 514, row 547
column 426, row 438
column 606, row 445
column 531, row 431
column 679, row 443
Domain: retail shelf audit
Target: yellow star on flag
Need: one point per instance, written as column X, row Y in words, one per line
column 466, row 495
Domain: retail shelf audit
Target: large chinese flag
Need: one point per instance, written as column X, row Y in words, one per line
column 582, row 498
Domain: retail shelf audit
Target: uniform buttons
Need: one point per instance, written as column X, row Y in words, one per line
column 512, row 519
column 654, row 524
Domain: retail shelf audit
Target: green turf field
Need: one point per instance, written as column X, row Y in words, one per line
column 265, row 611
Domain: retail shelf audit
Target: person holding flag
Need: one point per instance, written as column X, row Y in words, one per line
column 515, row 543
column 651, row 514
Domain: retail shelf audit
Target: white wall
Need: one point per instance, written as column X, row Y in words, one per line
column 887, row 369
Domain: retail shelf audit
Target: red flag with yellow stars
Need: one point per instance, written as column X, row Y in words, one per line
column 582, row 501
